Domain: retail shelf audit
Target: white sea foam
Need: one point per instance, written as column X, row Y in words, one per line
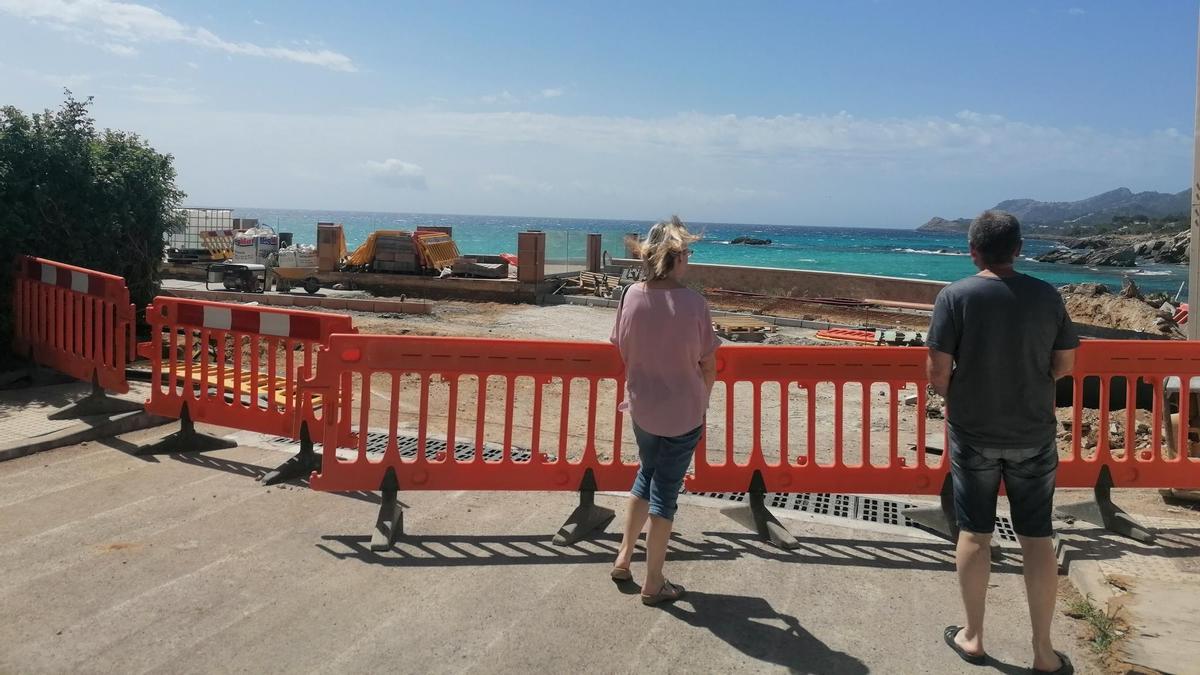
column 1149, row 273
column 926, row 252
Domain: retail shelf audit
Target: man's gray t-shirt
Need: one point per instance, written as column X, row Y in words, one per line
column 1002, row 333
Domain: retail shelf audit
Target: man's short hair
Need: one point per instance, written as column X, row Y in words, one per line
column 995, row 235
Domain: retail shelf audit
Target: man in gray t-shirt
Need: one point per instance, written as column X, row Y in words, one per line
column 997, row 343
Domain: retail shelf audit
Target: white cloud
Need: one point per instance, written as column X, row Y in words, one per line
column 838, row 169
column 164, row 95
column 119, row 49
column 502, row 97
column 122, row 23
column 397, row 173
column 1077, row 11
column 502, row 182
column 193, row 65
column 71, row 81
column 552, row 93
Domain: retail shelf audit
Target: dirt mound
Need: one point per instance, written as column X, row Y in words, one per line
column 1113, row 311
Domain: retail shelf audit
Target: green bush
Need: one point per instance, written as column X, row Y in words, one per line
column 74, row 194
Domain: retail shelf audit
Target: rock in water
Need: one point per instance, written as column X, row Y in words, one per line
column 751, row 241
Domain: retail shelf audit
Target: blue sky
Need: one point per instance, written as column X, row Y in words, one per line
column 879, row 113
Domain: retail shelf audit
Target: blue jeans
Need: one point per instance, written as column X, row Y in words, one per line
column 664, row 461
column 1028, row 475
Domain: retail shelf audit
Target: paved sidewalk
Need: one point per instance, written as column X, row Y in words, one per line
column 115, row 563
column 25, row 427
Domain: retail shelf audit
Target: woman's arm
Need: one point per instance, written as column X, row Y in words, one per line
column 708, row 368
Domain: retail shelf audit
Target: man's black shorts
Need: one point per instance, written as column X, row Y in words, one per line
column 1028, row 475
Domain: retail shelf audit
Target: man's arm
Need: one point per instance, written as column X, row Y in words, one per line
column 938, row 366
column 1062, row 363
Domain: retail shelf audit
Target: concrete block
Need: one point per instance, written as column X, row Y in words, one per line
column 284, row 300
column 306, row 301
column 360, row 305
column 334, row 303
column 381, row 306
column 417, row 307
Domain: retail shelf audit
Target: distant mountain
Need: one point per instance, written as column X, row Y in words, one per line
column 1090, row 211
column 936, row 224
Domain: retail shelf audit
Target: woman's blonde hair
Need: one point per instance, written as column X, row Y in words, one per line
column 665, row 242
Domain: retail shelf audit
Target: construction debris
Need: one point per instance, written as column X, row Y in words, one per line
column 742, row 328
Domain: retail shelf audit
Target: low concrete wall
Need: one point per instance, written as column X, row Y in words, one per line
column 767, row 280
column 409, row 285
column 298, row 301
column 480, row 290
column 812, row 284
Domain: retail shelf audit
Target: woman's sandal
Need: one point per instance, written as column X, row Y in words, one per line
column 669, row 592
column 950, row 633
column 621, row 574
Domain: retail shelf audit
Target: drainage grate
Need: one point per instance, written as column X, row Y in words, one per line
column 377, row 442
column 850, row 507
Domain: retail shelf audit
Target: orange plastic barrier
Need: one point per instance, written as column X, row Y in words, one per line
column 1125, row 371
column 75, row 320
column 234, row 365
column 362, row 371
column 782, row 419
column 820, row 458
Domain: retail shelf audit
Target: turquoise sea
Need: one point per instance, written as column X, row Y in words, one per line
column 891, row 252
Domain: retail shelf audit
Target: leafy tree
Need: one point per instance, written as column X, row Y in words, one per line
column 71, row 193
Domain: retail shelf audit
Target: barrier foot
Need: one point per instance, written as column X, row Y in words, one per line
column 390, row 522
column 587, row 517
column 942, row 519
column 1103, row 512
column 301, row 465
column 757, row 516
column 187, row 439
column 939, row 519
column 96, row 403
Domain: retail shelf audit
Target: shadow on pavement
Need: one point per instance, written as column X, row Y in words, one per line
column 121, row 445
column 248, row 470
column 755, row 628
column 535, row 549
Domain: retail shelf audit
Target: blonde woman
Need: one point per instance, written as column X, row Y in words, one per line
column 665, row 335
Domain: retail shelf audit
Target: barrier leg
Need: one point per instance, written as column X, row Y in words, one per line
column 939, row 519
column 587, row 517
column 96, row 403
column 390, row 522
column 762, row 520
column 302, row 465
column 1103, row 512
column 942, row 519
column 187, row 439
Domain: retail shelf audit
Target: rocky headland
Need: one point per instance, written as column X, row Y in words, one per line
column 1121, row 250
column 1100, row 210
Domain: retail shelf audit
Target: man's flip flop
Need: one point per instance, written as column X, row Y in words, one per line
column 668, row 593
column 620, row 574
column 950, row 633
column 1065, row 669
